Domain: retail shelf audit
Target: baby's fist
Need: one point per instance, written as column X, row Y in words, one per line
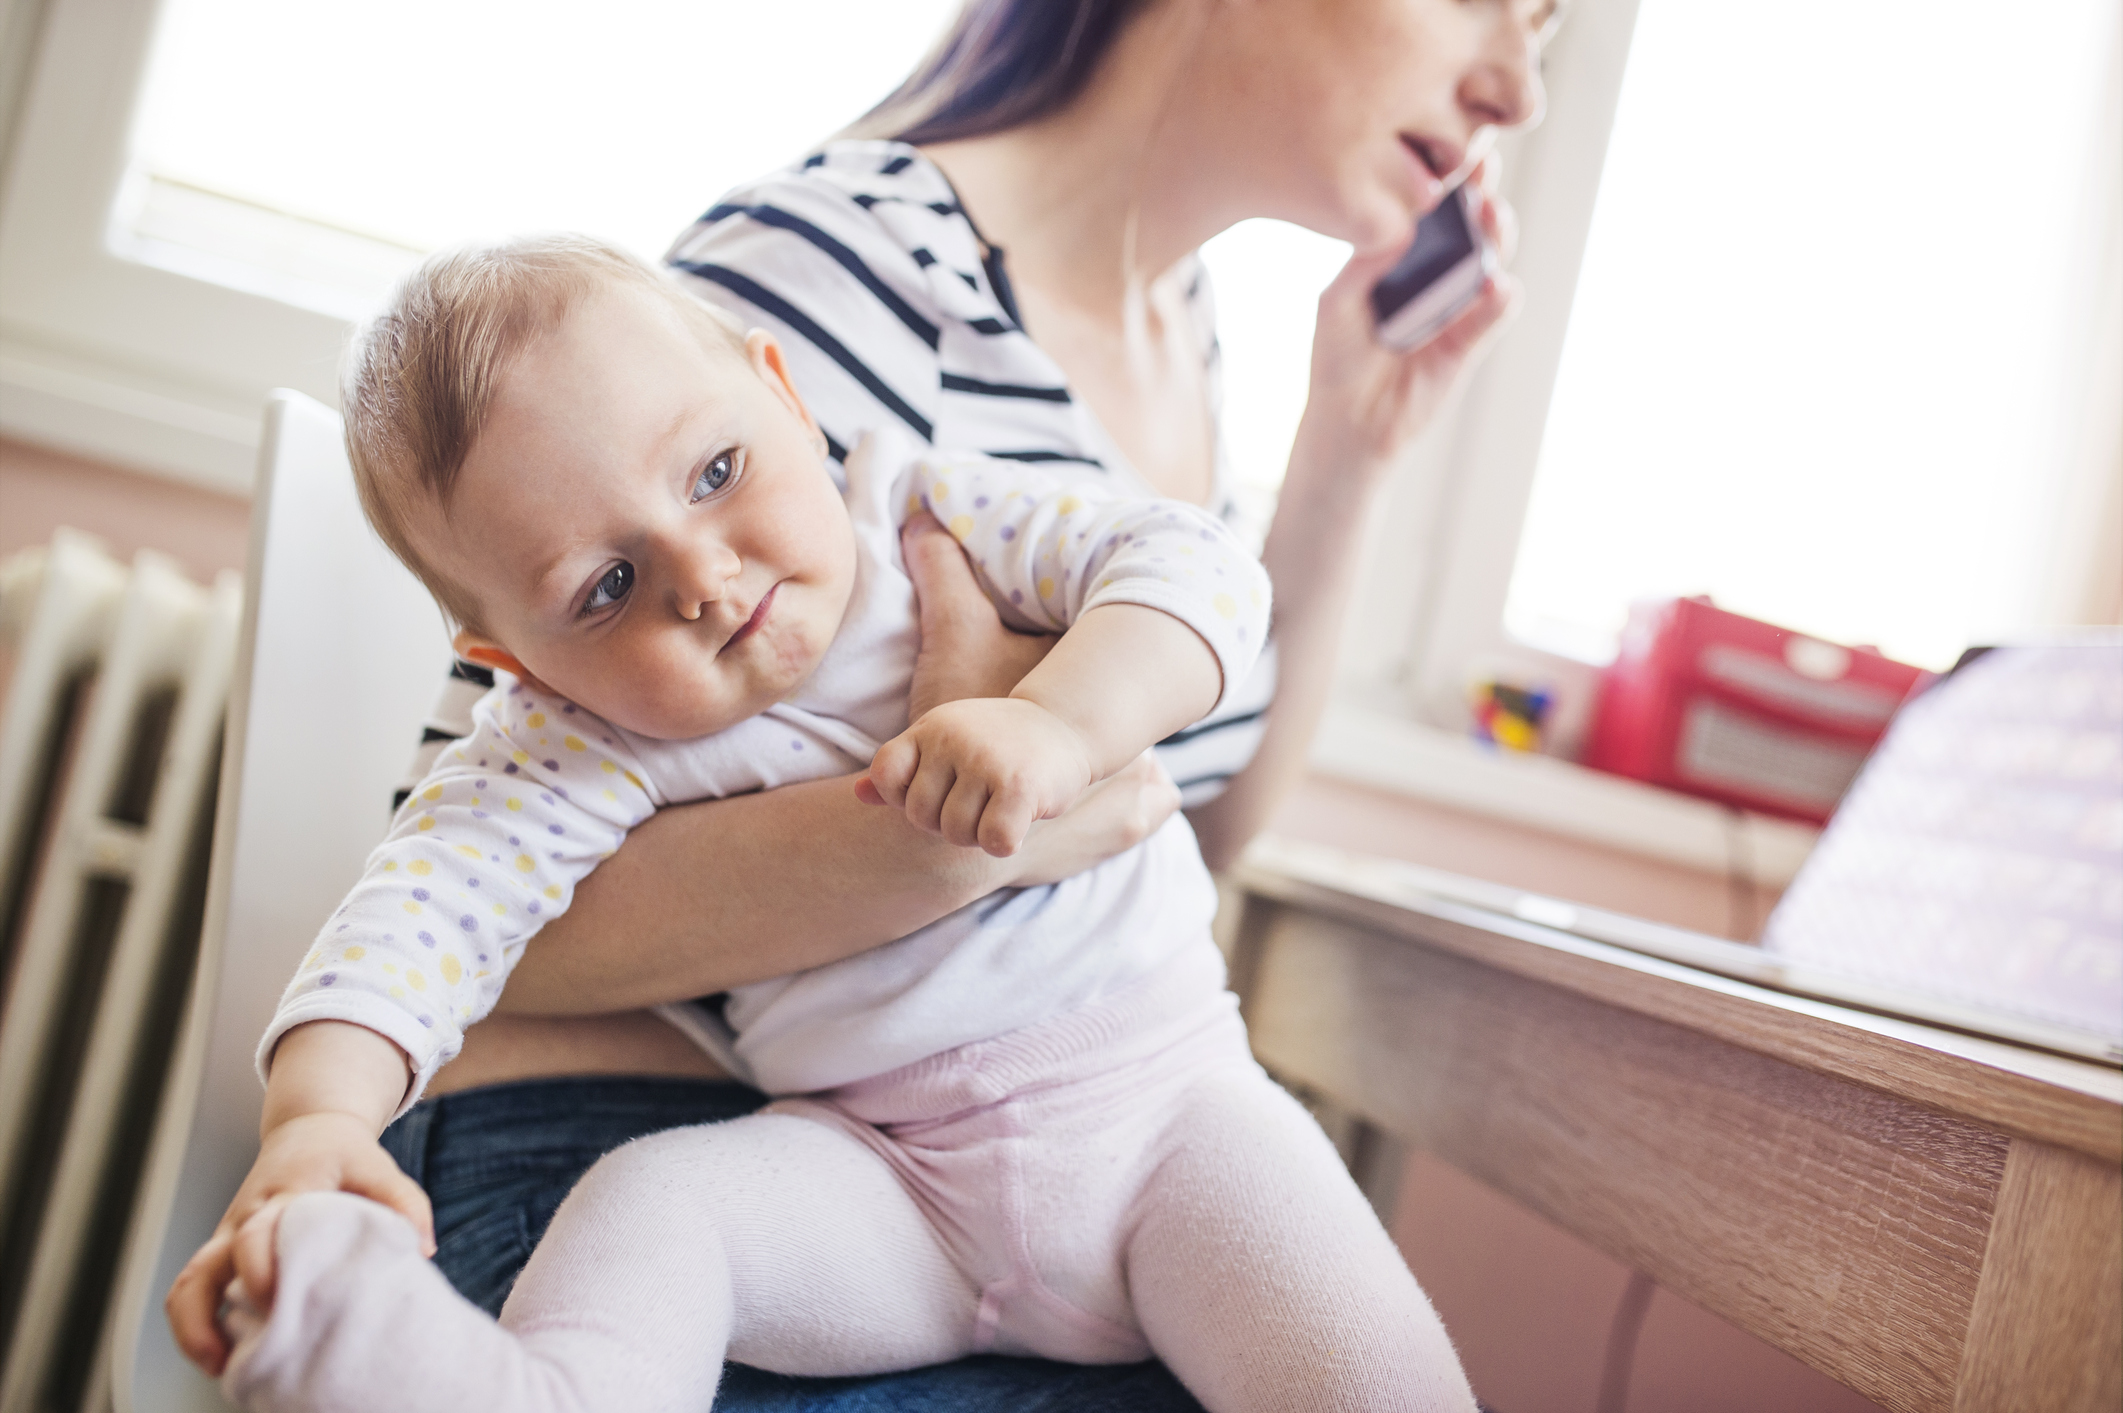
column 981, row 770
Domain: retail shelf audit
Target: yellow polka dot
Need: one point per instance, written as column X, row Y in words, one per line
column 1224, row 604
column 397, row 993
column 939, row 490
column 612, row 797
column 1068, row 505
column 961, row 526
column 433, row 792
column 913, row 504
column 355, row 954
column 414, row 979
column 514, row 803
column 412, row 907
column 313, row 961
column 553, row 891
column 535, row 720
column 634, row 780
column 421, row 867
column 525, row 862
column 475, row 799
column 390, row 865
column 500, row 911
column 427, row 821
column 607, row 767
column 468, row 851
column 521, row 757
column 452, row 969
column 389, row 970
column 573, row 743
column 1046, row 588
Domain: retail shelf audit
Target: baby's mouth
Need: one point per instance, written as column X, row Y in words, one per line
column 759, row 616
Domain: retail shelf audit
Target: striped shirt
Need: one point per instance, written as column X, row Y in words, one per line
column 892, row 310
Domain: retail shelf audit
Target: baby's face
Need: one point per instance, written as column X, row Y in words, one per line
column 647, row 523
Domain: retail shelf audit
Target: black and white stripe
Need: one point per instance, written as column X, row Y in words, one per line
column 890, row 308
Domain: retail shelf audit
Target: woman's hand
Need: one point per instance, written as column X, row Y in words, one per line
column 1368, row 402
column 965, row 649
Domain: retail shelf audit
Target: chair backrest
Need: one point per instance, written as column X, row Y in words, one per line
column 342, row 654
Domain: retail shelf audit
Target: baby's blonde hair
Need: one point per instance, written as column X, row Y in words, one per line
column 420, row 377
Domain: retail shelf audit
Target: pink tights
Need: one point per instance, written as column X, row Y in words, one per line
column 1118, row 1181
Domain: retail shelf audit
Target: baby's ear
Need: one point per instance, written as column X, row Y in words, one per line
column 488, row 653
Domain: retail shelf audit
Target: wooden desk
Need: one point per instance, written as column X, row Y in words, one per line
column 1932, row 1218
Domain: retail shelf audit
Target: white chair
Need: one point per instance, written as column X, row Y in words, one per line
column 342, row 653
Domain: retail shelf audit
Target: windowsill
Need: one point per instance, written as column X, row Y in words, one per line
column 1371, row 747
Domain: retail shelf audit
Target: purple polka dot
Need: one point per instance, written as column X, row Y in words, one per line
column 552, row 765
column 1206, row 535
column 468, row 923
column 553, row 829
column 795, row 745
column 427, row 1022
column 546, row 797
column 473, row 882
column 482, row 762
column 560, row 792
column 534, row 913
column 343, row 926
column 606, row 739
column 568, row 710
column 390, row 937
column 516, row 689
column 479, row 784
column 420, row 895
column 516, row 841
column 479, row 814
column 482, row 956
column 427, row 939
column 509, row 769
column 1009, row 532
column 493, row 858
column 980, row 502
column 1017, row 596
column 328, row 978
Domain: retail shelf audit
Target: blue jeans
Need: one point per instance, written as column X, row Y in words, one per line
column 496, row 1163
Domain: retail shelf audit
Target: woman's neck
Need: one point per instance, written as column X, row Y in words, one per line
column 1095, row 202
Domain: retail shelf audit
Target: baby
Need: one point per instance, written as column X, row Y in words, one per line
column 1031, row 1127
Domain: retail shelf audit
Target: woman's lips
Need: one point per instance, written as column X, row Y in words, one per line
column 759, row 616
column 1430, row 178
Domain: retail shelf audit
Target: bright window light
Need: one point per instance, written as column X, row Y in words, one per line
column 316, row 151
column 423, row 122
column 1821, row 362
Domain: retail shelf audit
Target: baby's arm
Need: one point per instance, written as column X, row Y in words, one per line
column 488, row 849
column 1162, row 609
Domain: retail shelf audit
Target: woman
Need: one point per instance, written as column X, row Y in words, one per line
column 1097, row 143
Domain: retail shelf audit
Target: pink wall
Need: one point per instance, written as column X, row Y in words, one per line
column 1528, row 1304
column 41, row 490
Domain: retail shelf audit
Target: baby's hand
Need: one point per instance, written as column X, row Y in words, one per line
column 318, row 1152
column 981, row 770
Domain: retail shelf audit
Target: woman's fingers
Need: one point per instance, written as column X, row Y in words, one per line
column 195, row 1297
column 965, row 649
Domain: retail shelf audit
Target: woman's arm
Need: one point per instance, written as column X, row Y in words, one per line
column 1367, row 405
column 708, row 896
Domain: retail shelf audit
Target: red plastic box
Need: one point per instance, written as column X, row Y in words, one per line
column 1741, row 711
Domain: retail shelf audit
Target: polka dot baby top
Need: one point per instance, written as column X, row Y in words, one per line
column 509, row 820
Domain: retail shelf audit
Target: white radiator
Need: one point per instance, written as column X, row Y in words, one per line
column 109, row 741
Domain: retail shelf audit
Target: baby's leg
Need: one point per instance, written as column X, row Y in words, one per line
column 781, row 1241
column 1263, row 1279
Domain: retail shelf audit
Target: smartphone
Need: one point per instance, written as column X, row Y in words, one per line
column 1446, row 266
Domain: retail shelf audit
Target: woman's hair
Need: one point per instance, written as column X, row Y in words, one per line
column 420, row 378
column 1002, row 63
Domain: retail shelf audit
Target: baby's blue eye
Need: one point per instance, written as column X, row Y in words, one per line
column 611, row 588
column 718, row 473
